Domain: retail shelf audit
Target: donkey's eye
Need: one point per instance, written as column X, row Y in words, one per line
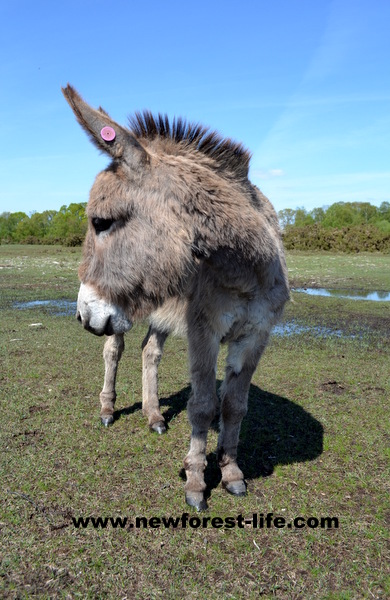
column 101, row 224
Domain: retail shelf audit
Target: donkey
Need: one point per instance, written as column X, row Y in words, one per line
column 178, row 233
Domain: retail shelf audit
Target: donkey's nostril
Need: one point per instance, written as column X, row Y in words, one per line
column 78, row 317
column 108, row 329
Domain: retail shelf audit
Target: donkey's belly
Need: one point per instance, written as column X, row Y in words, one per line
column 171, row 317
column 231, row 320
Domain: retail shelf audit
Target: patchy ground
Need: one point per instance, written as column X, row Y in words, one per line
column 314, row 445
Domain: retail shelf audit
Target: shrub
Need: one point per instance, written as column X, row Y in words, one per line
column 358, row 238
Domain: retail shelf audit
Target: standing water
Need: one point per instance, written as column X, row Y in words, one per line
column 347, row 294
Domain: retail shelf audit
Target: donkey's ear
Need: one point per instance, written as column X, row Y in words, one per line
column 104, row 132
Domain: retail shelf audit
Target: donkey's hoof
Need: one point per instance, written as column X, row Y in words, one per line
column 196, row 499
column 159, row 427
column 237, row 488
column 108, row 420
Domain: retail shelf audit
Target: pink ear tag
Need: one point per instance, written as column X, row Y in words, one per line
column 108, row 134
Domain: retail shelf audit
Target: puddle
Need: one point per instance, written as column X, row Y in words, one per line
column 291, row 328
column 57, row 308
column 347, row 294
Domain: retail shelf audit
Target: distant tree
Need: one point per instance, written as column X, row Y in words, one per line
column 302, row 218
column 286, row 217
column 40, row 223
column 317, row 214
column 23, row 229
column 4, row 226
column 69, row 221
column 384, row 211
column 365, row 212
column 9, row 223
column 338, row 215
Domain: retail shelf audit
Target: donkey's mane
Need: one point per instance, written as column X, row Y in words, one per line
column 227, row 154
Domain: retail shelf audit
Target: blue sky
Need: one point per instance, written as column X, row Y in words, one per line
column 304, row 85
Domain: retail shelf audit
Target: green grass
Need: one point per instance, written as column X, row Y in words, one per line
column 314, row 443
column 366, row 271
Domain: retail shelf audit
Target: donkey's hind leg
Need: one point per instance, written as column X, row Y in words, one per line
column 152, row 349
column 242, row 361
column 112, row 353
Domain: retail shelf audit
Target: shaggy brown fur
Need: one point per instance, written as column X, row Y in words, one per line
column 227, row 155
column 177, row 232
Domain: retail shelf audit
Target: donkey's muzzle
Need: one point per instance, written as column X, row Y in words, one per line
column 99, row 317
column 106, row 329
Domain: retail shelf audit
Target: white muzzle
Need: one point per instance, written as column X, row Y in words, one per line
column 98, row 316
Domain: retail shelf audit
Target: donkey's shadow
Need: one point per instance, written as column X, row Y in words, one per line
column 275, row 431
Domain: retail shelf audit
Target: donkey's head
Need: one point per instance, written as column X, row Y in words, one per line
column 137, row 250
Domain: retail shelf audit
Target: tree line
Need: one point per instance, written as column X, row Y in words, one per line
column 338, row 215
column 345, row 226
column 66, row 226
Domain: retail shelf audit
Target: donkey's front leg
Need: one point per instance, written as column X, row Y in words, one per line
column 152, row 348
column 234, row 405
column 201, row 409
column 112, row 353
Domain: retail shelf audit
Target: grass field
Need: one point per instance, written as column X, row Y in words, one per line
column 315, row 444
